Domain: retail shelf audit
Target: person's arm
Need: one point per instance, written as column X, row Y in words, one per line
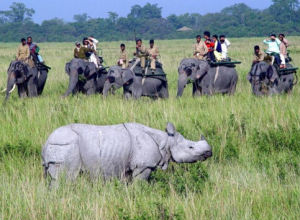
column 18, row 53
column 27, row 52
column 205, row 49
column 227, row 42
column 286, row 42
column 194, row 49
column 266, row 42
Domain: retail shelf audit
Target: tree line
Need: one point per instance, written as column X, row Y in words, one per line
column 147, row 22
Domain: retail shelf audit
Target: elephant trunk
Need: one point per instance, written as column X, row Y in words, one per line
column 11, row 81
column 182, row 81
column 73, row 80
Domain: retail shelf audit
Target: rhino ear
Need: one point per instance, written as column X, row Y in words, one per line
column 170, row 129
column 202, row 138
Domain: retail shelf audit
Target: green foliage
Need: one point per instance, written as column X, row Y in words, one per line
column 147, row 22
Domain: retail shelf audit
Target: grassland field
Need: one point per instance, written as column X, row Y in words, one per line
column 254, row 172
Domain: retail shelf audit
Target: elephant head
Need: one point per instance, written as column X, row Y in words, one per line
column 118, row 77
column 186, row 151
column 17, row 73
column 75, row 68
column 264, row 79
column 190, row 70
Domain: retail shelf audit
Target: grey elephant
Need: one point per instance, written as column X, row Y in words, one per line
column 23, row 76
column 123, row 151
column 84, row 77
column 265, row 80
column 207, row 79
column 136, row 84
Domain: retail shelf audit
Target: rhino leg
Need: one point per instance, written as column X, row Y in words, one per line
column 141, row 174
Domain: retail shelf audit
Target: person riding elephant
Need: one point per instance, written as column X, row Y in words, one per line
column 136, row 85
column 25, row 77
column 37, row 61
column 23, row 52
column 84, row 77
column 265, row 80
column 207, row 80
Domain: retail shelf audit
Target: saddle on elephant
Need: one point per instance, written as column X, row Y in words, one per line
column 135, row 64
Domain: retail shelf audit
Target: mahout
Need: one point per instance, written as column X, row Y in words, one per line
column 125, row 151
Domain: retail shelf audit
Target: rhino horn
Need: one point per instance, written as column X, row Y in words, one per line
column 202, row 138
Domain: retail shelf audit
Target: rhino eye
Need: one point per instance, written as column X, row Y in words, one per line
column 191, row 147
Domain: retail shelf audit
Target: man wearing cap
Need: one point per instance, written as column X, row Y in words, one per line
column 23, row 52
column 77, row 49
column 153, row 54
column 123, row 59
column 200, row 49
column 141, row 53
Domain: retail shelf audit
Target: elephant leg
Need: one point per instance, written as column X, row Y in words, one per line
column 233, row 87
column 42, row 81
column 90, row 87
column 196, row 90
column 32, row 87
column 164, row 92
column 91, row 91
column 22, row 90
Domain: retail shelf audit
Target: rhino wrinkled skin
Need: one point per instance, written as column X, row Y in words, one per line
column 127, row 150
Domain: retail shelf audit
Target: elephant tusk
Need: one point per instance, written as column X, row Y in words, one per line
column 12, row 89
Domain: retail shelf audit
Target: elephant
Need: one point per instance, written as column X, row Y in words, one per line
column 265, row 80
column 136, row 84
column 125, row 151
column 207, row 79
column 26, row 79
column 84, row 77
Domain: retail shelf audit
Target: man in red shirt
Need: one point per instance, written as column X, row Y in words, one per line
column 210, row 46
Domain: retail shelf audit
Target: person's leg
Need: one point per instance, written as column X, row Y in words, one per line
column 282, row 58
column 143, row 62
column 152, row 63
column 277, row 59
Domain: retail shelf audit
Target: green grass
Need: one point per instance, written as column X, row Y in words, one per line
column 254, row 173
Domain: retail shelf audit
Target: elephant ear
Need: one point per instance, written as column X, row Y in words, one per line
column 67, row 68
column 203, row 66
column 127, row 76
column 10, row 67
column 90, row 69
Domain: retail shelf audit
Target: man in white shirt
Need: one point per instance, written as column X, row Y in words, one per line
column 94, row 41
column 94, row 57
column 225, row 44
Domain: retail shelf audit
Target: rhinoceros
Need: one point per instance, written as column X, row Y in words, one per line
column 124, row 151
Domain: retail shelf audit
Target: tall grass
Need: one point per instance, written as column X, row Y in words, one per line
column 254, row 173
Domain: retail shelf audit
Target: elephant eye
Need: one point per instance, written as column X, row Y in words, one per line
column 191, row 147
